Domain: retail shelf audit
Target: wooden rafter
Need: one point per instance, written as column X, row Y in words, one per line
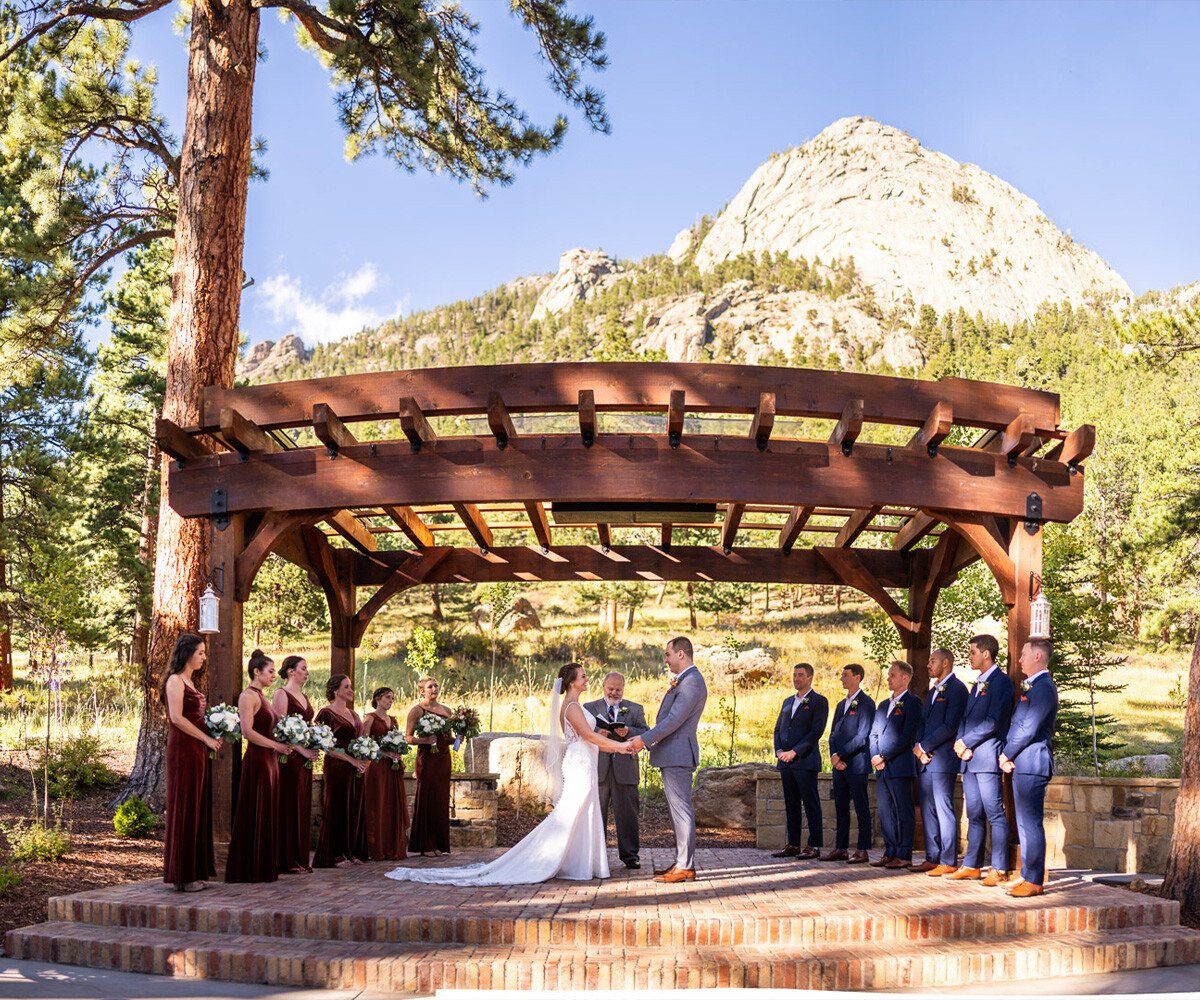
column 849, row 426
column 499, row 420
column 675, row 411
column 475, row 524
column 587, row 417
column 329, row 428
column 850, row 569
column 539, row 522
column 791, row 529
column 408, row 521
column 1016, row 437
column 176, row 442
column 605, row 533
column 414, row 424
column 913, row 530
column 733, row 517
column 764, row 420
column 1076, row 448
column 244, row 435
column 665, row 536
column 934, row 431
column 353, row 530
column 855, row 525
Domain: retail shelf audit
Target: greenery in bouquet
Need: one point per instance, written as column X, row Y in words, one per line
column 465, row 725
column 393, row 741
column 222, row 723
column 292, row 730
column 363, row 748
column 319, row 737
column 433, row 725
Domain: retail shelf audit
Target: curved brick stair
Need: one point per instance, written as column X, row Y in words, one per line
column 749, row 921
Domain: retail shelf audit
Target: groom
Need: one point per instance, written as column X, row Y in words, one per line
column 675, row 751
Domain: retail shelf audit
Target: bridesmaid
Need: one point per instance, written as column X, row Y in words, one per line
column 295, row 780
column 188, row 852
column 430, row 831
column 387, row 803
column 343, row 835
column 253, row 848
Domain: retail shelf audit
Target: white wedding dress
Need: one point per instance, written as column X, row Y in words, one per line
column 568, row 843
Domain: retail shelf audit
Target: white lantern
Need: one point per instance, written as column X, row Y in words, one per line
column 1039, row 618
column 209, row 606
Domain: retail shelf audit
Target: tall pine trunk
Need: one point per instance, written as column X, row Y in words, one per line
column 1182, row 880
column 6, row 662
column 147, row 539
column 206, row 286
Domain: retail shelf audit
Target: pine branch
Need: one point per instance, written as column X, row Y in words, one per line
column 134, row 12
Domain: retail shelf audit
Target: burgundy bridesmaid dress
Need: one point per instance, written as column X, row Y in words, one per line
column 431, row 803
column 295, row 802
column 387, row 805
column 343, row 833
column 254, row 841
column 188, row 852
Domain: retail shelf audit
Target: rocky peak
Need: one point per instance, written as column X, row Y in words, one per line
column 267, row 359
column 580, row 272
column 922, row 227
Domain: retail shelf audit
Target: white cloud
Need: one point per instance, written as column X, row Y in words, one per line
column 337, row 311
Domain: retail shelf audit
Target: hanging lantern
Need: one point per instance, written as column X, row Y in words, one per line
column 209, row 606
column 1039, row 618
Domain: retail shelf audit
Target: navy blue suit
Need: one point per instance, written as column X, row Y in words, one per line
column 892, row 738
column 1029, row 748
column 944, row 708
column 801, row 730
column 849, row 738
column 983, row 729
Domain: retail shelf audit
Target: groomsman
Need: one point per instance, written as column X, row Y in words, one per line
column 617, row 773
column 893, row 734
column 848, row 740
column 798, row 731
column 1027, row 756
column 980, row 737
column 938, row 765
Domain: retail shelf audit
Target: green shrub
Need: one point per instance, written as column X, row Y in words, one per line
column 77, row 765
column 10, row 878
column 34, row 840
column 134, row 818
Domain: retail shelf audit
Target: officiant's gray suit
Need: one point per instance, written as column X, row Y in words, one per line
column 675, row 750
column 617, row 775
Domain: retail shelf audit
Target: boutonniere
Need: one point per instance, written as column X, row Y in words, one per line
column 982, row 688
column 897, row 710
column 1024, row 697
column 1026, row 685
column 672, row 683
column 804, row 701
column 853, row 705
column 623, row 710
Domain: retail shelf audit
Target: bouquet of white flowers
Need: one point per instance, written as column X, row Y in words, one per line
column 293, row 730
column 363, row 748
column 431, row 724
column 393, row 741
column 222, row 723
column 319, row 737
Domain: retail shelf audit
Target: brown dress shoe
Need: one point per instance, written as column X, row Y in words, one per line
column 995, row 878
column 897, row 863
column 941, row 870
column 925, row 866
column 809, row 854
column 1023, row 890
column 664, row 871
column 676, row 875
column 836, row 855
column 882, row 862
column 787, row 852
column 965, row 873
column 858, row 858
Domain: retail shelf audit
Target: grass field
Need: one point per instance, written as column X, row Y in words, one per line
column 103, row 699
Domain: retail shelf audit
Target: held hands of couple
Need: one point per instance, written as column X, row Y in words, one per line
column 635, row 745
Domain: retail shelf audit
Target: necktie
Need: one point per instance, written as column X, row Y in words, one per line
column 612, row 713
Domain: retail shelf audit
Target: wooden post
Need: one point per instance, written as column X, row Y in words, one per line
column 225, row 677
column 1025, row 550
column 917, row 645
column 341, row 617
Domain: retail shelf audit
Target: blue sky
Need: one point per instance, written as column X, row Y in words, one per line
column 1090, row 109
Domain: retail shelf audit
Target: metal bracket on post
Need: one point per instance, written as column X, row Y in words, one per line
column 1033, row 513
column 219, row 508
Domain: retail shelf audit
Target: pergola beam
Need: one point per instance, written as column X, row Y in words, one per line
column 414, row 424
column 539, row 522
column 764, row 420
column 848, row 427
column 793, row 526
column 475, row 524
column 855, row 525
column 935, row 429
column 733, row 517
column 675, row 411
column 408, row 521
column 353, row 530
column 330, row 430
column 499, row 420
column 245, row 436
column 176, row 442
column 587, row 417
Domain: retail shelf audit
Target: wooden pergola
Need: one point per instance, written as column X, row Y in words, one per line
column 804, row 476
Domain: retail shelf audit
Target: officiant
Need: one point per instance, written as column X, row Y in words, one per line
column 617, row 774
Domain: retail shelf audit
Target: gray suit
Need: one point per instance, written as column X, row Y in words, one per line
column 617, row 774
column 675, row 750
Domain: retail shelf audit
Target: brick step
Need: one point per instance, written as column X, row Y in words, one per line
column 421, row 969
column 975, row 913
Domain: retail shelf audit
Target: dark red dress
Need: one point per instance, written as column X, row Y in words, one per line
column 295, row 802
column 343, row 822
column 188, row 852
column 431, row 804
column 387, row 805
column 254, row 841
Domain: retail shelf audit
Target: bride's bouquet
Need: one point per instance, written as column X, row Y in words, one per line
column 363, row 748
column 393, row 741
column 222, row 723
column 433, row 725
column 292, row 730
column 465, row 725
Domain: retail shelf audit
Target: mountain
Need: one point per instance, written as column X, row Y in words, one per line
column 832, row 253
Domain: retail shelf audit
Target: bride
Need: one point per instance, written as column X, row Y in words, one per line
column 568, row 843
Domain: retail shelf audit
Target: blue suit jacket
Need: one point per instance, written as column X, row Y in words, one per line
column 850, row 734
column 1032, row 730
column 892, row 737
column 939, row 728
column 802, row 732
column 985, row 722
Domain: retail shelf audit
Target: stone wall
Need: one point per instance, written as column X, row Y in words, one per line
column 472, row 808
column 1112, row 824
